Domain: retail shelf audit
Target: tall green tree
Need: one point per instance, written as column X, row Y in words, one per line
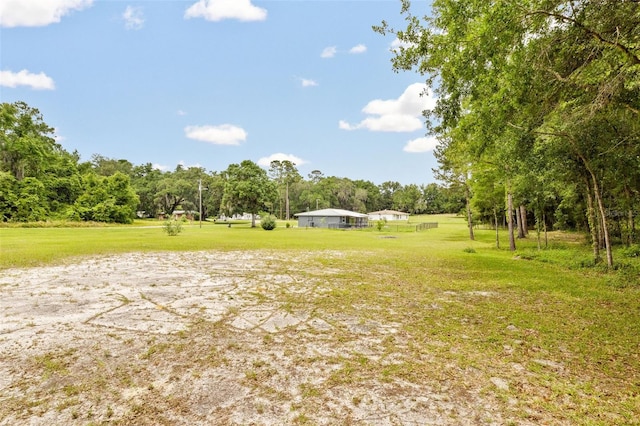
column 26, row 141
column 284, row 173
column 532, row 71
column 179, row 189
column 107, row 199
column 387, row 191
column 145, row 180
column 45, row 180
column 108, row 166
column 248, row 189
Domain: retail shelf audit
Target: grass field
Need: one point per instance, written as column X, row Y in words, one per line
column 543, row 338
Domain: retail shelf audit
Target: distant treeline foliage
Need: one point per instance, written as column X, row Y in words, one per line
column 39, row 181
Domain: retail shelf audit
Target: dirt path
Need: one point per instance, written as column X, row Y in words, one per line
column 205, row 338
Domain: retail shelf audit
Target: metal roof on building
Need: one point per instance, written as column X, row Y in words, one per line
column 331, row 213
column 383, row 212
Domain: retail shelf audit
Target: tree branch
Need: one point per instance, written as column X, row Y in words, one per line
column 633, row 57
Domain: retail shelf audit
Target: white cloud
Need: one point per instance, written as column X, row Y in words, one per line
column 397, row 43
column 133, row 18
column 266, row 161
column 218, row 10
column 160, row 167
column 423, row 144
column 57, row 136
column 403, row 114
column 180, row 163
column 224, row 134
column 185, row 166
column 37, row 13
column 308, row 82
column 329, row 52
column 181, row 112
column 360, row 48
column 25, row 78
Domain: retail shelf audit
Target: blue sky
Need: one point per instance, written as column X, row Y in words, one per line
column 213, row 82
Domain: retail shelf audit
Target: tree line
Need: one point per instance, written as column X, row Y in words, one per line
column 538, row 112
column 40, row 180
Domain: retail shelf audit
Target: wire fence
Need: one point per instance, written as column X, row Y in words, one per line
column 405, row 227
column 426, row 225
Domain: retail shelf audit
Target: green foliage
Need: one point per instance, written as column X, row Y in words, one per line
column 26, row 145
column 268, row 223
column 8, row 196
column 544, row 105
column 56, row 186
column 631, row 251
column 107, row 199
column 380, row 224
column 172, row 227
column 284, row 174
column 31, row 200
column 247, row 189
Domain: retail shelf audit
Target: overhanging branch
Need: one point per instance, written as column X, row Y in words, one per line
column 633, row 57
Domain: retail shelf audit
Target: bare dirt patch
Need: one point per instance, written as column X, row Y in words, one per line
column 208, row 338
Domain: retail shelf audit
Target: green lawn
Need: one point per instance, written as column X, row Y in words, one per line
column 35, row 246
column 567, row 338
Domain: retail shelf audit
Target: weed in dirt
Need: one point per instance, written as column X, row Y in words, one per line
column 307, row 390
column 53, row 363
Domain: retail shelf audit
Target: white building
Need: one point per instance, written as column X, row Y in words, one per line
column 388, row 215
column 332, row 218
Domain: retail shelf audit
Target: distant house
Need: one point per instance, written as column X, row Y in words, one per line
column 388, row 215
column 179, row 214
column 332, row 218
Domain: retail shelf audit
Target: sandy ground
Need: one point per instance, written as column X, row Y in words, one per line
column 203, row 338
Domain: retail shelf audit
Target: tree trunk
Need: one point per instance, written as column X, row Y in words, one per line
column 632, row 226
column 603, row 218
column 537, row 215
column 593, row 225
column 519, row 223
column 253, row 220
column 469, row 218
column 495, row 218
column 544, row 224
column 600, row 204
column 286, row 201
column 512, row 240
column 523, row 220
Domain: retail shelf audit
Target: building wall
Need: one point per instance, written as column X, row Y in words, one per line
column 318, row 221
column 388, row 217
column 331, row 222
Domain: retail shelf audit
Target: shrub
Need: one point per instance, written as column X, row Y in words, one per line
column 172, row 227
column 268, row 223
column 631, row 251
